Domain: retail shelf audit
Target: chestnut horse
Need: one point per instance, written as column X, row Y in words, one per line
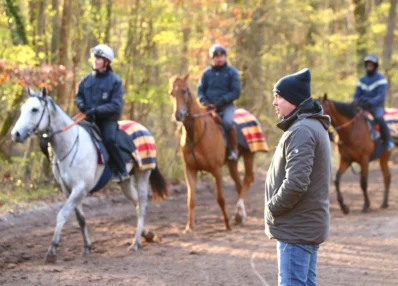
column 355, row 145
column 203, row 149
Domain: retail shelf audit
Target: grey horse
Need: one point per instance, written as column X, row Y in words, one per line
column 75, row 166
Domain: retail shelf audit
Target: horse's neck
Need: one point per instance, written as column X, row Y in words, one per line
column 346, row 133
column 62, row 142
column 195, row 126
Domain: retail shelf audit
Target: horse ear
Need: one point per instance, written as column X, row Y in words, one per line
column 325, row 96
column 186, row 77
column 44, row 92
column 30, row 91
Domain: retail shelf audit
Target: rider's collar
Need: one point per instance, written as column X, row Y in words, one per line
column 97, row 73
column 219, row 67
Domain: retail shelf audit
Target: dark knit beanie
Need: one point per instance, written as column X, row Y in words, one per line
column 296, row 87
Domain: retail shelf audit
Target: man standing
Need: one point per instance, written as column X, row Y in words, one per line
column 100, row 97
column 298, row 181
column 370, row 94
column 219, row 87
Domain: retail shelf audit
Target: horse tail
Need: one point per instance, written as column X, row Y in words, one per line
column 158, row 184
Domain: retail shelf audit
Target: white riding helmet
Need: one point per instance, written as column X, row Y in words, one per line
column 103, row 51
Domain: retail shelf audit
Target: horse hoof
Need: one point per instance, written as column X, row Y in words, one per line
column 345, row 209
column 51, row 258
column 365, row 209
column 228, row 228
column 148, row 235
column 86, row 252
column 238, row 219
column 384, row 206
column 188, row 230
column 134, row 247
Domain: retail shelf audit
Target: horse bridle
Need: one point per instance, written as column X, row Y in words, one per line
column 48, row 134
column 345, row 124
column 34, row 130
column 192, row 143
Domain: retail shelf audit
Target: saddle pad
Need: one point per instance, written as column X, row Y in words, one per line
column 391, row 118
column 251, row 129
column 145, row 147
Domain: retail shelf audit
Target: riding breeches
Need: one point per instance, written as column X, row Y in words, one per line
column 227, row 115
column 108, row 131
column 378, row 114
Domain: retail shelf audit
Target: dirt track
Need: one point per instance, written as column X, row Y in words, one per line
column 362, row 249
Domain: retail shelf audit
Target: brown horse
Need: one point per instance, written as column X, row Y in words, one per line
column 203, row 149
column 355, row 145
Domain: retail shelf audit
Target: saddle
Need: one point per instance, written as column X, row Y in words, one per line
column 122, row 140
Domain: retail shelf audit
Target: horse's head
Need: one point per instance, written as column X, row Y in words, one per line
column 35, row 116
column 181, row 96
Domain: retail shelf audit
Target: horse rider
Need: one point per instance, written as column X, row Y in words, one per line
column 218, row 88
column 100, row 97
column 370, row 94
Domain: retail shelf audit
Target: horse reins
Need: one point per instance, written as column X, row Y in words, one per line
column 346, row 124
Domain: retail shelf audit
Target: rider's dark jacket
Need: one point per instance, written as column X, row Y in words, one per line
column 102, row 91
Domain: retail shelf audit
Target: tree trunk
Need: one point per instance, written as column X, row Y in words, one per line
column 19, row 35
column 108, row 21
column 64, row 47
column 388, row 45
column 186, row 30
column 41, row 46
column 361, row 24
column 55, row 31
column 389, row 37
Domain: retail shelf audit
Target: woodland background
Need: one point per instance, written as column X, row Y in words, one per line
column 47, row 43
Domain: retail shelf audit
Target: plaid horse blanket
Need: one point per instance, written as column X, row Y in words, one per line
column 251, row 130
column 391, row 118
column 144, row 143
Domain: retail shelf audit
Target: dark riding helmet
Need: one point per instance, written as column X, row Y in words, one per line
column 217, row 49
column 373, row 59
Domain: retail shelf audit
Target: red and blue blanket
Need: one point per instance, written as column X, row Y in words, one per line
column 249, row 126
column 145, row 147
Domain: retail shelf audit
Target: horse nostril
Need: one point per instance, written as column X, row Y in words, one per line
column 17, row 134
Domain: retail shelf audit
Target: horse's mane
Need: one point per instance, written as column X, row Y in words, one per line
column 346, row 109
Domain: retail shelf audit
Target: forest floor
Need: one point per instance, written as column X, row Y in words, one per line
column 362, row 248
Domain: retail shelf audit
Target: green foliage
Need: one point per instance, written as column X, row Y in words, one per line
column 153, row 39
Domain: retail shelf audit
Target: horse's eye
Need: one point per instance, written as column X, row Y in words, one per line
column 184, row 92
column 34, row 110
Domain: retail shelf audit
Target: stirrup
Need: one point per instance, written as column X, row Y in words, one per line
column 233, row 155
column 390, row 145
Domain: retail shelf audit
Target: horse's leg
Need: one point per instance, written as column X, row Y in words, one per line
column 240, row 213
column 343, row 166
column 364, row 183
column 72, row 202
column 82, row 222
column 248, row 160
column 131, row 194
column 387, row 177
column 220, row 196
column 190, row 178
column 142, row 186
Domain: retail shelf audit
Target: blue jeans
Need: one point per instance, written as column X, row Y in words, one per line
column 227, row 114
column 297, row 264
